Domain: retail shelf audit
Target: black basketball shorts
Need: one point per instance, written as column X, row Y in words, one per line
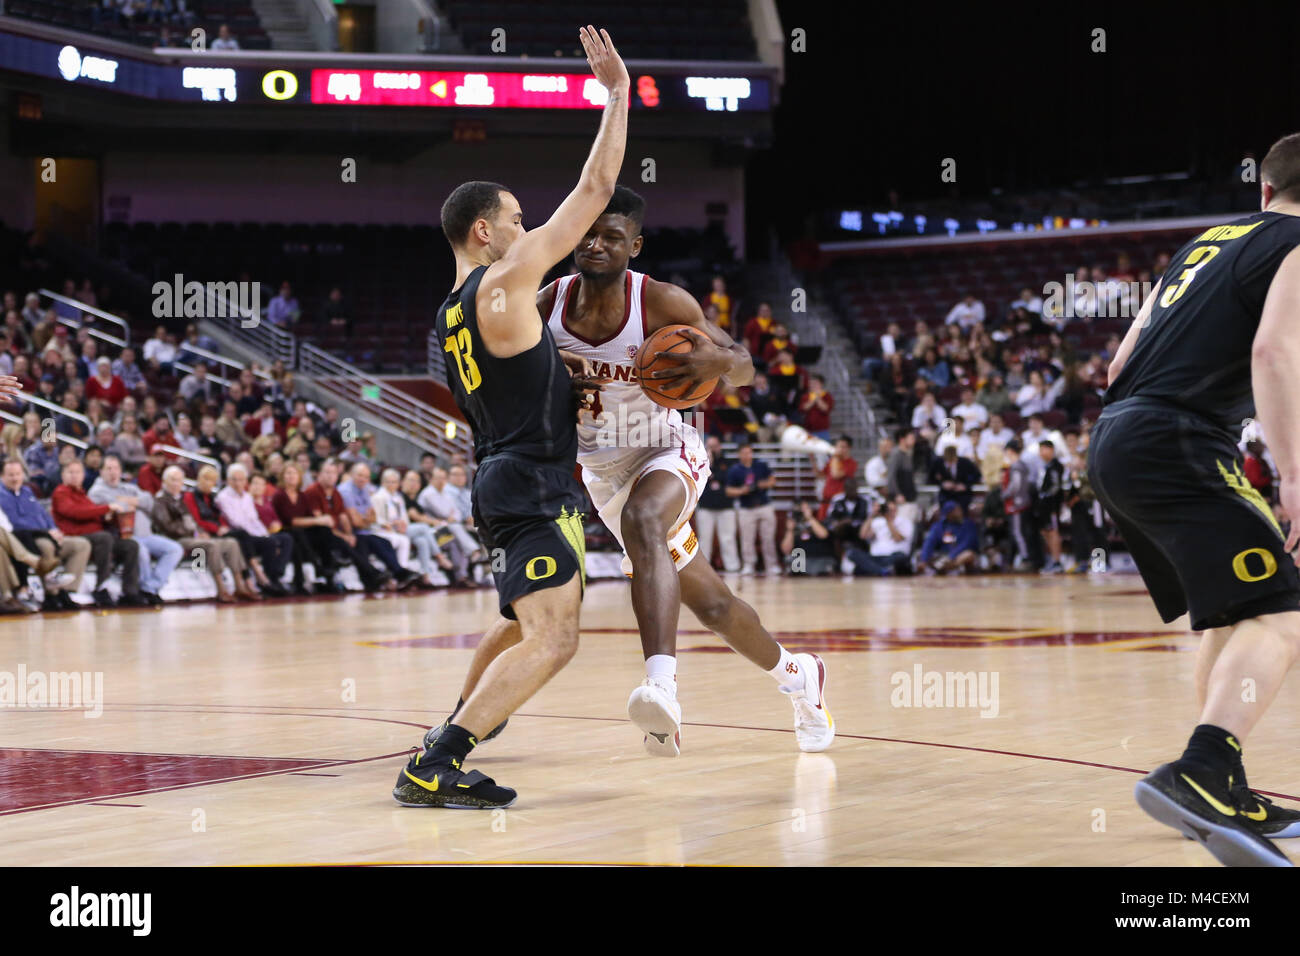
column 1204, row 540
column 530, row 521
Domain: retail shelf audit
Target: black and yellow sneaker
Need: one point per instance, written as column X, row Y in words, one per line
column 1272, row 821
column 1183, row 795
column 433, row 733
column 427, row 783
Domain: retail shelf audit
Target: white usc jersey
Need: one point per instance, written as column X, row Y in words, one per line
column 629, row 436
column 626, row 421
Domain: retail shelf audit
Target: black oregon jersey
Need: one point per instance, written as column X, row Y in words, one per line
column 522, row 404
column 1195, row 350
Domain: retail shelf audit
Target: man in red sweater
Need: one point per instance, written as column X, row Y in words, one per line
column 149, row 477
column 77, row 516
column 104, row 385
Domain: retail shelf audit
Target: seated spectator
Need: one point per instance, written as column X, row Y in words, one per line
column 758, row 330
column 104, row 385
column 267, row 553
column 439, row 501
column 149, row 477
column 885, row 545
column 815, row 406
column 955, row 437
column 159, row 434
column 418, row 518
column 183, row 438
column 337, row 314
column 225, row 41
column 35, row 529
column 995, row 396
column 841, row 469
column 172, row 516
column 877, row 470
column 1035, row 396
column 13, row 556
column 77, row 516
column 971, row 412
column 357, row 492
column 42, row 462
column 967, row 313
column 934, row 369
column 719, row 299
column 228, row 429
column 159, row 555
column 762, row 402
column 263, row 422
column 393, row 524
column 333, row 532
column 780, row 342
column 996, row 434
column 807, row 543
column 198, row 386
column 956, row 475
column 928, row 414
column 283, row 310
column 202, row 504
column 309, row 547
column 952, row 543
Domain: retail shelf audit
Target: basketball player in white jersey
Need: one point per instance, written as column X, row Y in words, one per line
column 644, row 468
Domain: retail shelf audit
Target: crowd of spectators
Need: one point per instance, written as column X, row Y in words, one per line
column 140, row 460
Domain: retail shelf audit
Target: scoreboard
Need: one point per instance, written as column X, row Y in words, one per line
column 273, row 79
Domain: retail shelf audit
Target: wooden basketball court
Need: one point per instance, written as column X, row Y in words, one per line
column 273, row 734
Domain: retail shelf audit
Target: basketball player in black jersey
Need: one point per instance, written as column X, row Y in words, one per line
column 513, row 387
column 1216, row 342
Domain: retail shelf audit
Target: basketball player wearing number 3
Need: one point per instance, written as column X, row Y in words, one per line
column 644, row 468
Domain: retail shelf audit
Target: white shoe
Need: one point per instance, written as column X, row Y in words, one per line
column 747, row 570
column 653, row 707
column 813, row 727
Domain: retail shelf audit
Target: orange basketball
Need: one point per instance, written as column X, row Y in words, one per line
column 669, row 394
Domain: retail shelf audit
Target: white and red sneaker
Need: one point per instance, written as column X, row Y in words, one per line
column 653, row 707
column 813, row 727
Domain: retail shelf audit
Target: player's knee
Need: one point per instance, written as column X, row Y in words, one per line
column 714, row 609
column 642, row 524
column 561, row 645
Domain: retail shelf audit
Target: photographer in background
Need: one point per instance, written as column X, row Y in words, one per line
column 885, row 545
column 807, row 543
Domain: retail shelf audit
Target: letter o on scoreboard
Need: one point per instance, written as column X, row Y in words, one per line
column 547, row 568
column 280, row 85
column 1243, row 571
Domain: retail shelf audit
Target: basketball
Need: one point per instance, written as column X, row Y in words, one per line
column 672, row 394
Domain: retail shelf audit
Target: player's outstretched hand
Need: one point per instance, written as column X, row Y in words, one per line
column 603, row 59
column 9, row 388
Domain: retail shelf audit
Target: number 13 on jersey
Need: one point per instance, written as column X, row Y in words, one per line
column 461, row 345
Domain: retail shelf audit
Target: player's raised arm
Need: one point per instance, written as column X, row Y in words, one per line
column 546, row 245
column 1275, row 378
column 715, row 354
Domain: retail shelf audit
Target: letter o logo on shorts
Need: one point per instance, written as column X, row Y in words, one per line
column 548, row 564
column 280, row 85
column 1243, row 573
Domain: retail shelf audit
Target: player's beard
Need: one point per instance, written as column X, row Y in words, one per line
column 609, row 275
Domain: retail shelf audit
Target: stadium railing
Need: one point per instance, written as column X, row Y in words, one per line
column 121, row 323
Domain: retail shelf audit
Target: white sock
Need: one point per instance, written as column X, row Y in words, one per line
column 787, row 672
column 662, row 667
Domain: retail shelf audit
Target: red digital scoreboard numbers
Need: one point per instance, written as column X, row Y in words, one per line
column 430, row 88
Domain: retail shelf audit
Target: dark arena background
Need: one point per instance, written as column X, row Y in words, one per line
column 221, row 261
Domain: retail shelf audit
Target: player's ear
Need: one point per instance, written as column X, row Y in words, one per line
column 636, row 247
column 1265, row 195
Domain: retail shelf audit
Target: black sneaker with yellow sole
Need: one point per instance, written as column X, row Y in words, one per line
column 433, row 733
column 1187, row 797
column 442, row 783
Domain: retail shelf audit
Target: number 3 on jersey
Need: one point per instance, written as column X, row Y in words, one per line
column 461, row 345
column 1197, row 259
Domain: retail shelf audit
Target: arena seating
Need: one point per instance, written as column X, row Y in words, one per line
column 89, row 16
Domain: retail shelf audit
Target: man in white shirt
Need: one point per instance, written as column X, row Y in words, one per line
column 928, row 413
column 967, row 313
column 970, row 411
column 887, row 539
column 996, row 434
column 1028, row 301
column 1035, row 433
column 160, row 349
column 224, row 40
column 159, row 555
column 236, row 505
column 877, row 469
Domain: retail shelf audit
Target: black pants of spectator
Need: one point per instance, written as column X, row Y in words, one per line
column 331, row 548
column 275, row 551
column 372, row 544
column 303, row 552
column 870, row 565
column 106, row 551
